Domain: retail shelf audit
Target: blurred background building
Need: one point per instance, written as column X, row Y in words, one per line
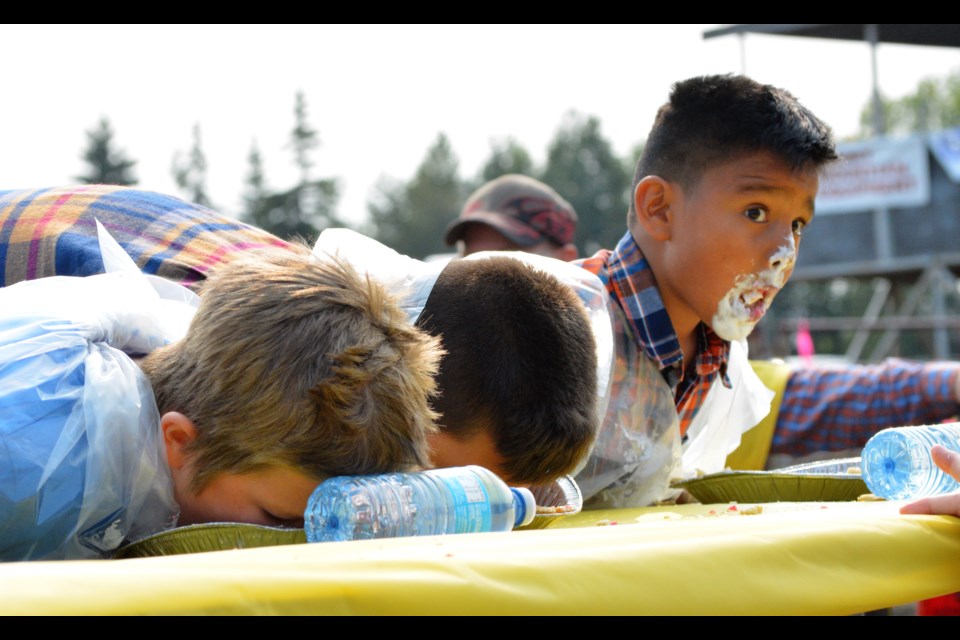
column 877, row 275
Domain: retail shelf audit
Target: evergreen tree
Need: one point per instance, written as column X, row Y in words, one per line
column 303, row 211
column 506, row 156
column 191, row 174
column 633, row 158
column 300, row 213
column 107, row 165
column 582, row 167
column 410, row 217
column 934, row 105
column 303, row 138
column 256, row 190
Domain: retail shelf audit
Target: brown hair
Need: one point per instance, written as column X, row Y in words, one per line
column 520, row 361
column 303, row 363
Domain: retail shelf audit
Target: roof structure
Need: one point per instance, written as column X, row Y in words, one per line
column 933, row 35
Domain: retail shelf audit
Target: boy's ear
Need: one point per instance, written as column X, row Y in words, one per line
column 652, row 200
column 178, row 432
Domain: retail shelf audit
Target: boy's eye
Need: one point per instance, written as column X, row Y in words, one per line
column 798, row 226
column 273, row 520
column 757, row 214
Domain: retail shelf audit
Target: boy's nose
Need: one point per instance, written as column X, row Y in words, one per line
column 784, row 253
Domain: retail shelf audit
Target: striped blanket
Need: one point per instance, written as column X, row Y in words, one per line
column 46, row 232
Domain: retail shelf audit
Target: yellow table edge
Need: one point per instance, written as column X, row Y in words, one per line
column 791, row 559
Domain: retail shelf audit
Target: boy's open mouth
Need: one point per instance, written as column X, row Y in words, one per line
column 755, row 301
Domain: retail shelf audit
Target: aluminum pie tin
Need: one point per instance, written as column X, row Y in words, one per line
column 212, row 536
column 836, row 480
column 559, row 498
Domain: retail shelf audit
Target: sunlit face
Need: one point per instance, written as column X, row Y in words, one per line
column 276, row 496
column 734, row 242
column 483, row 237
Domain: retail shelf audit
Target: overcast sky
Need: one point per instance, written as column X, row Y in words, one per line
column 379, row 95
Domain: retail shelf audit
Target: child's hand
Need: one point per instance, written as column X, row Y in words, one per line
column 947, row 504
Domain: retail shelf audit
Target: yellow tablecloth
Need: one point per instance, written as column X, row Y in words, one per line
column 793, row 558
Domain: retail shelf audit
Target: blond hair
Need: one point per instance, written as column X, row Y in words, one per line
column 302, row 363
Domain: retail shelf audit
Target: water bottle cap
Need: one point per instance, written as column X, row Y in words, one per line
column 529, row 505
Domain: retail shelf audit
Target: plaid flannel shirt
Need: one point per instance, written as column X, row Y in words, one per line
column 838, row 408
column 823, row 408
column 47, row 232
column 633, row 288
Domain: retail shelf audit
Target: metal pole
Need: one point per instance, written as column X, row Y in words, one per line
column 743, row 53
column 881, row 216
column 871, row 34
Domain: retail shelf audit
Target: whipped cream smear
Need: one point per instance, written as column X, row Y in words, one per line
column 739, row 311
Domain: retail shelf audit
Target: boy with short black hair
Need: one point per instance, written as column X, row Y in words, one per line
column 520, row 378
column 722, row 192
column 519, row 373
column 293, row 369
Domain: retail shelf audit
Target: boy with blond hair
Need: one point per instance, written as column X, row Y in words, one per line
column 293, row 369
column 519, row 349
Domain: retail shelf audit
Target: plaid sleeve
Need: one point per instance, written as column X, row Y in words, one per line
column 840, row 408
column 47, row 232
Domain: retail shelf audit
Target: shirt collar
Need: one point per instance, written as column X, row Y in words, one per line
column 634, row 285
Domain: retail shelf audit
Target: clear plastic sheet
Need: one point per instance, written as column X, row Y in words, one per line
column 416, row 278
column 724, row 415
column 638, row 446
column 639, row 454
column 82, row 465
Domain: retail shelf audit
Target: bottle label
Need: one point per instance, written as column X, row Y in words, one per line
column 470, row 502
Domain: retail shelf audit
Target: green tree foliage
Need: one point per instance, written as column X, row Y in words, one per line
column 255, row 191
column 410, row 217
column 303, row 138
column 582, row 167
column 632, row 160
column 190, row 173
column 106, row 164
column 299, row 213
column 303, row 211
column 506, row 156
column 934, row 105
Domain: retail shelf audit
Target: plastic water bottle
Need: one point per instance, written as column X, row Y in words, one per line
column 897, row 464
column 439, row 501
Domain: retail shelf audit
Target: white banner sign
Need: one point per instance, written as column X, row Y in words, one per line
column 876, row 173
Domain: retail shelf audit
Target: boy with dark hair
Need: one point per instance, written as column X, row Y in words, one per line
column 818, row 411
column 293, row 369
column 722, row 192
column 519, row 374
column 520, row 379
column 53, row 232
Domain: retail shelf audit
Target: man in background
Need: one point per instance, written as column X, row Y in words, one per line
column 515, row 213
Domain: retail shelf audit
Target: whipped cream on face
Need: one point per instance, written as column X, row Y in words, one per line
column 739, row 311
